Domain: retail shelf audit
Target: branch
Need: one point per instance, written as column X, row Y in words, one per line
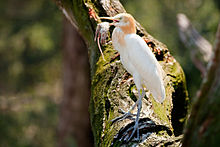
column 203, row 120
column 200, row 48
column 213, row 67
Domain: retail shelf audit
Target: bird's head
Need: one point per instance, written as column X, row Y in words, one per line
column 124, row 21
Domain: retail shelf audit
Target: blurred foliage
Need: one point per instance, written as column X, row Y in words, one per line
column 159, row 19
column 29, row 40
column 29, row 121
column 30, row 72
column 30, row 59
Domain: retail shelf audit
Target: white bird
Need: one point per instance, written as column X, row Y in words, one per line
column 138, row 60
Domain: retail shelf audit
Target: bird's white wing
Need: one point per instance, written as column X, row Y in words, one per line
column 145, row 63
column 140, row 55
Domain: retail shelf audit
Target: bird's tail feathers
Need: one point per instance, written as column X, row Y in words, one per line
column 160, row 95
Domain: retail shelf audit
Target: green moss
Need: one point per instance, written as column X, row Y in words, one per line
column 180, row 99
column 131, row 94
column 174, row 109
column 109, row 53
column 100, row 106
column 160, row 109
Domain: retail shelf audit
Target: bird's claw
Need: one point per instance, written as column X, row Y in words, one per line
column 135, row 128
column 126, row 115
column 123, row 112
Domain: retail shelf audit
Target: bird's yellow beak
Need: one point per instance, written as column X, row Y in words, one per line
column 110, row 18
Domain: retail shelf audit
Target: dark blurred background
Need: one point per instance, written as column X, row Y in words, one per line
column 31, row 59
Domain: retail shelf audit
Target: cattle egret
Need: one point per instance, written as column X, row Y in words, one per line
column 139, row 61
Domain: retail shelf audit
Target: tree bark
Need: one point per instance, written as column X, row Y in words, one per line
column 203, row 126
column 111, row 89
column 74, row 124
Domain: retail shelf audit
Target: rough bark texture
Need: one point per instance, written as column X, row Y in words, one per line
column 203, row 127
column 111, row 89
column 74, row 124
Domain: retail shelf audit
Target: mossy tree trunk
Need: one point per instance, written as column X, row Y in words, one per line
column 203, row 127
column 111, row 88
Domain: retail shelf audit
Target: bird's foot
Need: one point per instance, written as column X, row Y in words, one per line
column 135, row 128
column 126, row 115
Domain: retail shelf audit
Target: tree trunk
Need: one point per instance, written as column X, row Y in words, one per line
column 74, row 124
column 203, row 127
column 111, row 89
column 200, row 48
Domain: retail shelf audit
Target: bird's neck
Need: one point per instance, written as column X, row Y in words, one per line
column 129, row 28
column 118, row 38
column 119, row 33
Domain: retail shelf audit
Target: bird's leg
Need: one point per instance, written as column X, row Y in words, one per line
column 139, row 103
column 125, row 114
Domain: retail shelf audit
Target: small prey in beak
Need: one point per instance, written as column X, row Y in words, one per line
column 101, row 34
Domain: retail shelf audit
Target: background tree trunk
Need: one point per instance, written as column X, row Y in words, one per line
column 203, row 126
column 200, row 48
column 111, row 89
column 74, row 116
